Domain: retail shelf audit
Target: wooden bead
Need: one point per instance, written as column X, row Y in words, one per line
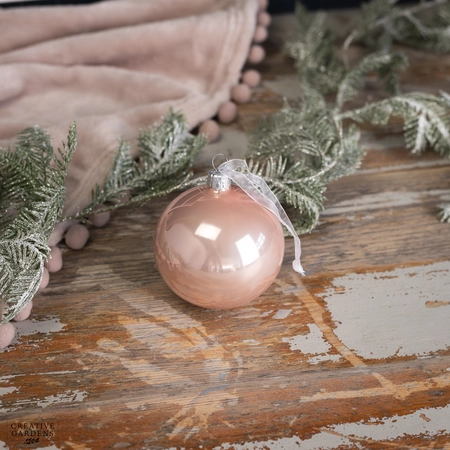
column 77, row 236
column 256, row 54
column 25, row 313
column 44, row 280
column 7, row 332
column 227, row 112
column 260, row 34
column 59, row 231
column 55, row 262
column 264, row 18
column 251, row 78
column 241, row 93
column 211, row 129
column 101, row 219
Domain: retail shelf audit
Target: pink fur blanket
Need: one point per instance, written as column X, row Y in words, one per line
column 114, row 67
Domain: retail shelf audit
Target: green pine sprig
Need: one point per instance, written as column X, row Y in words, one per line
column 166, row 154
column 291, row 186
column 386, row 66
column 313, row 150
column 312, row 46
column 426, row 119
column 32, row 194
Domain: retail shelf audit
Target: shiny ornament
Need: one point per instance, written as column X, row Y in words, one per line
column 216, row 247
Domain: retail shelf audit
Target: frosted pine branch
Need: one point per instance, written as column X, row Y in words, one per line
column 32, row 184
column 444, row 212
column 426, row 119
column 166, row 154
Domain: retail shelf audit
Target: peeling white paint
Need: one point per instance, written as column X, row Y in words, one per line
column 65, row 397
column 321, row 441
column 321, row 358
column 35, row 326
column 384, row 200
column 3, row 446
column 50, row 447
column 424, row 422
column 62, row 398
column 250, row 342
column 6, row 378
column 282, row 313
column 312, row 343
column 7, row 390
column 278, row 444
column 383, row 314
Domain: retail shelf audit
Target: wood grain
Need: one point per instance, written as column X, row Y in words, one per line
column 354, row 355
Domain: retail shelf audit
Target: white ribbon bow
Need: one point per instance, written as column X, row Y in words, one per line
column 256, row 188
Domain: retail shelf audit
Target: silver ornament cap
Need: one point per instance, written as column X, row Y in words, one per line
column 218, row 181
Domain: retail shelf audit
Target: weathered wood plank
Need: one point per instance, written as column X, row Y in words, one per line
column 357, row 353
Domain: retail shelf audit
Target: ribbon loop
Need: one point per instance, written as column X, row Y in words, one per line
column 257, row 189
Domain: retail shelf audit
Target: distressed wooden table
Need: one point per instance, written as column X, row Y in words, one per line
column 354, row 355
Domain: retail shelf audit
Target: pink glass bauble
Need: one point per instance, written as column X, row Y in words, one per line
column 218, row 250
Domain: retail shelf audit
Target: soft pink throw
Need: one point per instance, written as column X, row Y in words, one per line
column 114, row 67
